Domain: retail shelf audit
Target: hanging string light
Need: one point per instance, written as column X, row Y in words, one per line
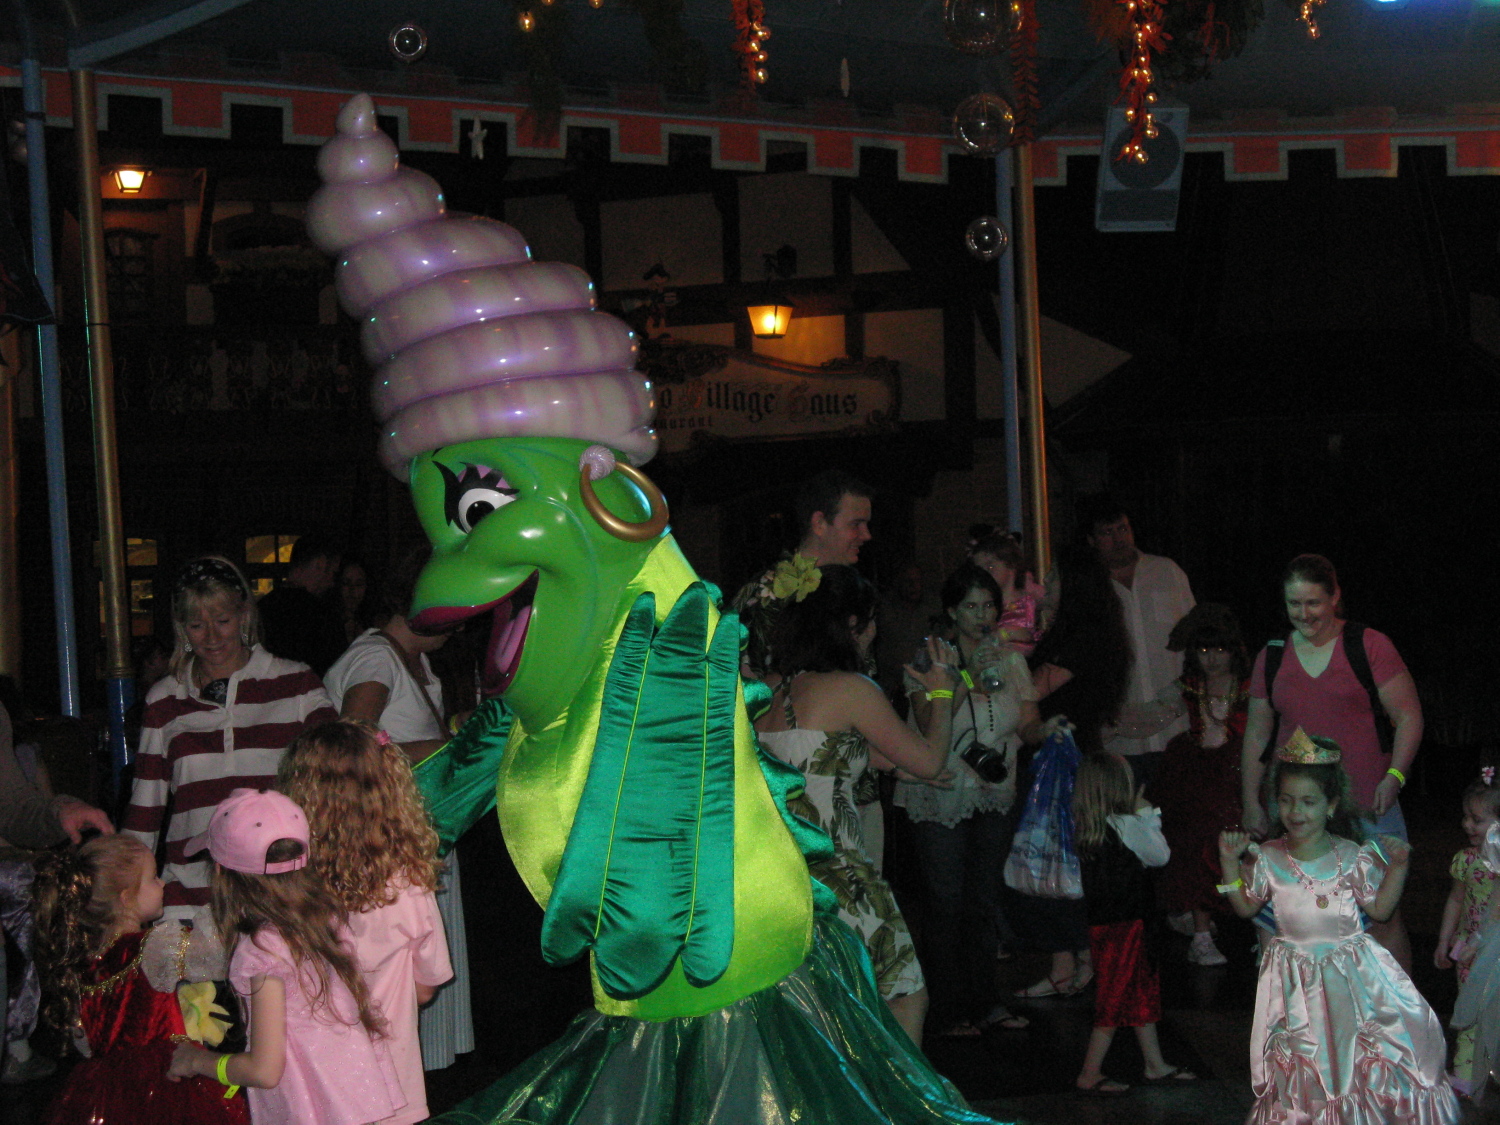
column 751, row 34
column 526, row 20
column 1305, row 14
column 1137, row 80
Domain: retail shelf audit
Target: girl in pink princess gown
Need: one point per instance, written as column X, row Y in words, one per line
column 1341, row 1035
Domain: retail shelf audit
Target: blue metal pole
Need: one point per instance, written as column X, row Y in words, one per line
column 49, row 370
column 1004, row 182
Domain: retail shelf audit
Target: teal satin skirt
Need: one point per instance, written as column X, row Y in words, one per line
column 818, row 1047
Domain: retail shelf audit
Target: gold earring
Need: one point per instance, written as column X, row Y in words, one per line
column 656, row 503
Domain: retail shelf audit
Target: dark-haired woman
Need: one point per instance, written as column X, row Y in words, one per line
column 831, row 722
column 385, row 679
column 1198, row 786
column 960, row 826
column 219, row 720
column 1317, row 688
column 1079, row 668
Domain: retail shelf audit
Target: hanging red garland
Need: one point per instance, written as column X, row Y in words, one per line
column 1023, row 69
column 1137, row 80
column 749, row 42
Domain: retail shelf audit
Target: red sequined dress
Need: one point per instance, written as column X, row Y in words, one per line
column 131, row 1027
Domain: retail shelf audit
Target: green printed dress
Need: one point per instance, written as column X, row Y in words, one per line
column 834, row 763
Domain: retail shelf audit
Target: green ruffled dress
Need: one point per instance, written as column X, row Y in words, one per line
column 818, row 1047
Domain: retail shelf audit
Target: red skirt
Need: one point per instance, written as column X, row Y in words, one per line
column 1127, row 990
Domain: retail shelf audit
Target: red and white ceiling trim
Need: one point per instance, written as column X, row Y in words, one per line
column 1255, row 146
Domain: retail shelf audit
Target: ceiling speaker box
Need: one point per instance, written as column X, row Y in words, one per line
column 1141, row 197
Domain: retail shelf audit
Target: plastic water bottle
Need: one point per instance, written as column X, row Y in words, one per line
column 990, row 658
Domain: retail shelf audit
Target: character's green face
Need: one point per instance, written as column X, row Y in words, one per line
column 510, row 535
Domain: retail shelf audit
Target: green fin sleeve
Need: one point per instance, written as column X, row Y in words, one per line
column 457, row 780
column 648, row 870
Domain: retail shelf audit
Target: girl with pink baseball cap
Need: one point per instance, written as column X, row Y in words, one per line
column 316, row 1045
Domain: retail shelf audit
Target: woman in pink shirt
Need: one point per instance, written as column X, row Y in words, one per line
column 377, row 852
column 1317, row 688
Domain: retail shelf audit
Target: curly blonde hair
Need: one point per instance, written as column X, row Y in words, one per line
column 307, row 915
column 75, row 903
column 370, row 832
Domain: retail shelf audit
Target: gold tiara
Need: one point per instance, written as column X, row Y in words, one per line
column 1307, row 751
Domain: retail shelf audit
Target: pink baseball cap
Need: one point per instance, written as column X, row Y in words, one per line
column 245, row 824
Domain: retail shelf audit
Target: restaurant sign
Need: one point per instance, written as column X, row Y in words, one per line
column 706, row 392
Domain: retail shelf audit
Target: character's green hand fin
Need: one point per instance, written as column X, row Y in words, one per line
column 648, row 871
column 458, row 779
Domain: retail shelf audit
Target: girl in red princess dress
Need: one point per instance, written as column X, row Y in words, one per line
column 107, row 973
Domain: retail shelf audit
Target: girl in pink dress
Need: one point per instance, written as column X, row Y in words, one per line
column 999, row 554
column 317, row 1049
column 1341, row 1035
column 377, row 853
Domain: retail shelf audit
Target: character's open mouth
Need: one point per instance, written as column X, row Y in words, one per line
column 512, row 616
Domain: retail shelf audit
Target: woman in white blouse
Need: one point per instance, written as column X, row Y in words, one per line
column 959, row 821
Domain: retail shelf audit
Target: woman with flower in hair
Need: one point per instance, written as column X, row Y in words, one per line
column 218, row 721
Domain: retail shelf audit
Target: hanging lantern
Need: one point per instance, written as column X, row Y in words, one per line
column 130, row 180
column 983, row 123
column 769, row 322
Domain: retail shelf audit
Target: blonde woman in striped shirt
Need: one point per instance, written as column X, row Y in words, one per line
column 219, row 720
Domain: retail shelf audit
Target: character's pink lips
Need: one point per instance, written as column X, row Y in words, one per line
column 512, row 617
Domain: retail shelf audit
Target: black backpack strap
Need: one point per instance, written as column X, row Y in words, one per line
column 1359, row 663
column 1275, row 650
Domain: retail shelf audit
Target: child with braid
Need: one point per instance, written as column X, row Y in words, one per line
column 107, row 974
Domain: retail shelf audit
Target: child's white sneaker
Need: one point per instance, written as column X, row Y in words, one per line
column 1203, row 951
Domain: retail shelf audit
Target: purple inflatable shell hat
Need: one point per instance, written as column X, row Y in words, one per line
column 470, row 337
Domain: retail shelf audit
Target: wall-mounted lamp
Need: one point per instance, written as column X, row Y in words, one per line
column 769, row 322
column 130, row 180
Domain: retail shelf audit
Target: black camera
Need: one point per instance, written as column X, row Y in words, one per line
column 986, row 761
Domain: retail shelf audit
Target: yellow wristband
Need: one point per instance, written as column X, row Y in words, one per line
column 1227, row 888
column 940, row 693
column 222, row 1072
column 453, row 724
column 1398, row 775
column 967, row 679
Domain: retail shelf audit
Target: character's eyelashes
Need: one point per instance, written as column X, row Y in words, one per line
column 471, row 495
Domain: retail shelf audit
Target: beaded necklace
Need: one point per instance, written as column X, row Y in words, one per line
column 1307, row 881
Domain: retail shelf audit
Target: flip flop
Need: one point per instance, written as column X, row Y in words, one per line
column 1002, row 1017
column 1044, row 988
column 961, row 1030
column 1177, row 1076
column 1103, row 1087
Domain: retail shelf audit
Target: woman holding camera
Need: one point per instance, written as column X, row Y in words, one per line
column 961, row 821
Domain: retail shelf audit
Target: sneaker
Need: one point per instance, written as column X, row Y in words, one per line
column 1181, row 923
column 1203, row 951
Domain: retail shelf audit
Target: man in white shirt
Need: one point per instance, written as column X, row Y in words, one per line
column 1154, row 594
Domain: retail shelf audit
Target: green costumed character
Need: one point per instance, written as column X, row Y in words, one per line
column 615, row 740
